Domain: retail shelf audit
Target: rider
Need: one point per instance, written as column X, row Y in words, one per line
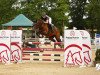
column 47, row 19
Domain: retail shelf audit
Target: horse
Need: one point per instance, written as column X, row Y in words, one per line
column 44, row 29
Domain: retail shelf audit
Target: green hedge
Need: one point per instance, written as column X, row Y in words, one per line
column 97, row 58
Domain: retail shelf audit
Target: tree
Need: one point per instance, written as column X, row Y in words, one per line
column 97, row 58
column 58, row 13
column 6, row 11
column 93, row 19
column 54, row 8
column 77, row 12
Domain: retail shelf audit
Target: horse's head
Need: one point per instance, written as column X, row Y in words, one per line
column 38, row 24
column 40, row 27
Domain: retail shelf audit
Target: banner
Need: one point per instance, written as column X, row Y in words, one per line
column 5, row 46
column 97, row 41
column 16, row 45
column 86, row 43
column 73, row 48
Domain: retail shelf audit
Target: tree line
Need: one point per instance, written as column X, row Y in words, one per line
column 83, row 14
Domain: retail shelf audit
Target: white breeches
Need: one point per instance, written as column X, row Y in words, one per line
column 50, row 20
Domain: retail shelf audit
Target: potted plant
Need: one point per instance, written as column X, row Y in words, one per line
column 97, row 58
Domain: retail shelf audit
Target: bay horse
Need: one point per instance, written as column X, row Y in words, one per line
column 44, row 29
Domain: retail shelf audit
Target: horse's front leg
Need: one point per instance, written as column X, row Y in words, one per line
column 38, row 34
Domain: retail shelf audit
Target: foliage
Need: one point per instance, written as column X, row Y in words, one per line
column 97, row 58
column 6, row 11
column 58, row 13
column 77, row 13
column 54, row 8
column 94, row 15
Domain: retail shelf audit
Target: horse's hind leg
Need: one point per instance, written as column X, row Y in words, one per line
column 58, row 40
column 53, row 40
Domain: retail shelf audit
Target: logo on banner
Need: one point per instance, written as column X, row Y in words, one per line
column 15, row 35
column 3, row 35
column 72, row 33
column 83, row 36
column 4, row 53
column 87, row 57
column 82, row 33
column 72, row 36
column 73, row 57
column 97, row 35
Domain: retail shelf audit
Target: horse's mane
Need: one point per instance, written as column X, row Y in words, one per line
column 40, row 21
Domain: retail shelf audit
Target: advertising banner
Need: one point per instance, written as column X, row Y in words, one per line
column 97, row 41
column 86, row 43
column 16, row 45
column 5, row 46
column 73, row 48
